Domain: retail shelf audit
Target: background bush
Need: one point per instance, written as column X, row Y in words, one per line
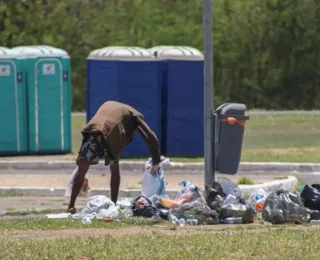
column 266, row 52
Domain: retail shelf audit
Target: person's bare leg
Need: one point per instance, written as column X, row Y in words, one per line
column 114, row 182
column 78, row 181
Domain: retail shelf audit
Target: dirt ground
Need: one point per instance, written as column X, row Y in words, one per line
column 11, row 204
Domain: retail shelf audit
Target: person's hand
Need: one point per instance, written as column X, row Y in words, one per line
column 153, row 169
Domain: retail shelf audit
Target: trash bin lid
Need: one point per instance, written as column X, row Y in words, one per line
column 41, row 51
column 236, row 110
column 120, row 53
column 6, row 53
column 176, row 53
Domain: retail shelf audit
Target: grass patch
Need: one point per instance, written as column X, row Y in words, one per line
column 282, row 243
column 10, row 193
column 245, row 181
column 69, row 223
column 32, row 212
column 280, row 177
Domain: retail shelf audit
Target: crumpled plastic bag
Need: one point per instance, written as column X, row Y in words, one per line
column 143, row 207
column 95, row 203
column 215, row 196
column 284, row 206
column 235, row 207
column 125, row 203
column 229, row 187
column 197, row 209
column 112, row 212
column 85, row 189
column 154, row 184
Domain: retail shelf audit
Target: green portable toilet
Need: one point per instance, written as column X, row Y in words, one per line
column 13, row 107
column 49, row 99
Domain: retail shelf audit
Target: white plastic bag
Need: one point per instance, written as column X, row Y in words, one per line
column 82, row 193
column 154, row 184
column 98, row 202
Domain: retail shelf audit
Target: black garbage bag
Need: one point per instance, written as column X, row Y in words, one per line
column 283, row 207
column 226, row 208
column 314, row 214
column 143, row 207
column 310, row 196
column 215, row 196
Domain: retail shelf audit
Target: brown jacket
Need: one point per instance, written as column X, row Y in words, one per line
column 118, row 123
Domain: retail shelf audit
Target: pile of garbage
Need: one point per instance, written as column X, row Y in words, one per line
column 224, row 204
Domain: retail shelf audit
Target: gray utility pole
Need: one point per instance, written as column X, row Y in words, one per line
column 208, row 93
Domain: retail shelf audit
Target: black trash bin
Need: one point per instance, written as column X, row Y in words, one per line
column 230, row 120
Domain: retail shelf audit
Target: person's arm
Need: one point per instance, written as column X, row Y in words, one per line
column 114, row 182
column 150, row 139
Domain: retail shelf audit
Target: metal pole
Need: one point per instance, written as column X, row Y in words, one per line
column 208, row 93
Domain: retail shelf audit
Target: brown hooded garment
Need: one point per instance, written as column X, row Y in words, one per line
column 118, row 123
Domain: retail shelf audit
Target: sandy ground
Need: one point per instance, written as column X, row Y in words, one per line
column 20, row 204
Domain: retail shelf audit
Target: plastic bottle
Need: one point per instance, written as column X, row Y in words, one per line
column 86, row 221
column 258, row 198
column 233, row 220
column 182, row 222
column 173, row 219
column 192, row 222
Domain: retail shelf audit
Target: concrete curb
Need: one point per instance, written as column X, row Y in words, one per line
column 286, row 184
column 139, row 165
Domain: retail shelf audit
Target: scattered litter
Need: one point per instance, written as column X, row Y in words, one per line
column 58, row 216
column 154, row 184
column 78, row 216
column 86, row 221
column 233, row 207
column 284, row 206
column 224, row 204
column 188, row 194
column 257, row 199
column 143, row 207
column 233, row 220
column 226, row 199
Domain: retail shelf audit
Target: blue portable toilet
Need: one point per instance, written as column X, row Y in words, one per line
column 129, row 75
column 182, row 83
column 13, row 104
column 48, row 74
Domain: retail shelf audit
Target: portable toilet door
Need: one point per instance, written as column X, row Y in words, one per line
column 49, row 99
column 129, row 75
column 13, row 118
column 182, row 70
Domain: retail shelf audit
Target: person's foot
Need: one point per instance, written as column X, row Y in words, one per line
column 72, row 211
